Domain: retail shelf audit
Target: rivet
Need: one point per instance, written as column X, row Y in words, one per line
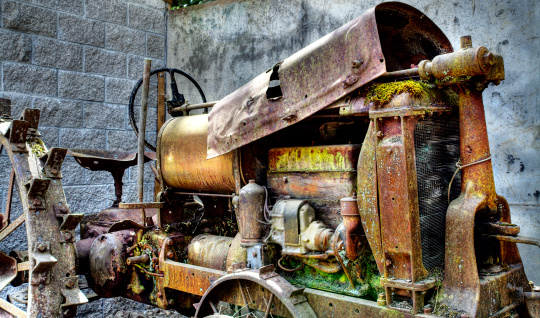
column 41, row 247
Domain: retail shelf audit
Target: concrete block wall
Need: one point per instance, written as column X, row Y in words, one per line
column 77, row 61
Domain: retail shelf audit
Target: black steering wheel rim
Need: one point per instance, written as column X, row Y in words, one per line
column 131, row 107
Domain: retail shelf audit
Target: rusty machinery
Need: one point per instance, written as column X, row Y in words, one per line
column 325, row 187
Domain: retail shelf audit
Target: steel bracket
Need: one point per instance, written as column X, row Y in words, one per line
column 71, row 292
column 70, row 221
column 8, row 270
column 43, row 262
column 55, row 158
column 36, row 193
column 17, row 136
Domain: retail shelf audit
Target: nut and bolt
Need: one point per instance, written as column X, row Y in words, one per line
column 68, row 236
column 357, row 63
column 428, row 309
column 388, row 262
column 42, row 247
column 159, row 294
column 381, row 299
column 380, row 134
column 285, row 180
column 169, row 242
column 170, row 254
column 70, row 283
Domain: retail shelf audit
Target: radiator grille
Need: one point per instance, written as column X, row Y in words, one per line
column 436, row 142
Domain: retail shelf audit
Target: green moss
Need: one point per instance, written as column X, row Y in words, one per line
column 382, row 93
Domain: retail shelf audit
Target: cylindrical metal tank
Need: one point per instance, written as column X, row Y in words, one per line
column 182, row 157
column 250, row 213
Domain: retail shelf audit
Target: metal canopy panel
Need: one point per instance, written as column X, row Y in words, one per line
column 313, row 78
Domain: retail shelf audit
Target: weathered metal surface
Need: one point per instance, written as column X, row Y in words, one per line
column 317, row 172
column 250, row 214
column 353, row 227
column 8, row 270
column 108, row 263
column 209, row 251
column 322, row 73
column 189, row 278
column 182, row 157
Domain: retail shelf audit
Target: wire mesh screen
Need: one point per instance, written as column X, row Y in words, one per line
column 436, row 142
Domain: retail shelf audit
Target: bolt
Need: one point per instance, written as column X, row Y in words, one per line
column 41, row 247
column 357, row 63
column 169, row 242
column 380, row 134
column 37, row 202
column 159, row 294
column 68, row 236
column 428, row 310
column 43, row 279
column 54, row 171
column 70, row 283
column 465, row 316
column 388, row 262
column 285, row 180
column 41, row 287
column 157, row 267
column 170, row 254
column 254, row 254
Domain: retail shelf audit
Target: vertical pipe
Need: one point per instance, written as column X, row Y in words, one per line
column 160, row 118
column 142, row 133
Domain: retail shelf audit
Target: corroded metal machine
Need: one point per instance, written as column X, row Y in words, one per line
column 325, row 187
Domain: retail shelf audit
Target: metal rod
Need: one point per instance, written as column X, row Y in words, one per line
column 12, row 309
column 24, row 266
column 268, row 306
column 9, row 197
column 205, row 194
column 12, row 226
column 142, row 133
column 399, row 74
column 176, row 111
column 142, row 259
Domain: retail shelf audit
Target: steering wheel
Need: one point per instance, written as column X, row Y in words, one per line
column 176, row 100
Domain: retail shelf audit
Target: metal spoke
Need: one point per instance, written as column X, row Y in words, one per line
column 213, row 307
column 12, row 226
column 12, row 309
column 10, row 195
column 268, row 305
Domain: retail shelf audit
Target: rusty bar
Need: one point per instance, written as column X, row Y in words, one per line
column 142, row 205
column 268, row 306
column 179, row 111
column 142, row 259
column 353, row 226
column 24, row 266
column 160, row 118
column 9, row 198
column 518, row 239
column 189, row 278
column 205, row 194
column 11, row 227
column 12, row 309
column 142, row 133
column 400, row 74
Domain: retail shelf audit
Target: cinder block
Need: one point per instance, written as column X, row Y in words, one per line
column 50, row 136
column 72, row 172
column 156, row 4
column 89, row 198
column 124, row 39
column 28, row 79
column 118, row 90
column 82, row 138
column 136, row 66
column 122, row 140
column 59, row 112
column 15, row 47
column 104, row 116
column 107, row 10
column 155, row 46
column 71, row 6
column 54, row 53
column 104, row 62
column 78, row 30
column 18, row 102
column 81, row 86
column 29, row 19
column 147, row 19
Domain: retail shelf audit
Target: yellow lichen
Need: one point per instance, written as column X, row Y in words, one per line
column 37, row 146
column 382, row 93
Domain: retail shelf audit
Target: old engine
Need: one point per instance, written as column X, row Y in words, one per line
column 325, row 187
